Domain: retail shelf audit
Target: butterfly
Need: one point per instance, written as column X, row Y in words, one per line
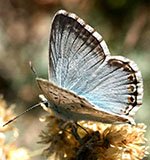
column 85, row 81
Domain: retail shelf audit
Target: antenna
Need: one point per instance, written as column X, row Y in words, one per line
column 36, row 105
column 11, row 120
column 33, row 69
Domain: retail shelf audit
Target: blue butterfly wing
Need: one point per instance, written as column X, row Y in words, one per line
column 79, row 61
column 70, row 47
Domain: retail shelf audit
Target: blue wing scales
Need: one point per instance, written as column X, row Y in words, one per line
column 79, row 61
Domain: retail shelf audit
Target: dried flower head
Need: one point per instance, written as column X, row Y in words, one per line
column 92, row 140
column 8, row 150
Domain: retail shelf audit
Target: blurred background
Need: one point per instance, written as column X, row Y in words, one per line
column 24, row 35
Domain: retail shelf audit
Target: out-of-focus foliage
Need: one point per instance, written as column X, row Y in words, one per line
column 24, row 34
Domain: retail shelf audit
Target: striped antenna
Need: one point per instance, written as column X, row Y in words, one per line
column 11, row 120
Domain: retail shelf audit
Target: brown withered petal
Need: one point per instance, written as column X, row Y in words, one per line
column 92, row 140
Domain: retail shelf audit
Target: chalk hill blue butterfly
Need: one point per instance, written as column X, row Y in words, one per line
column 85, row 81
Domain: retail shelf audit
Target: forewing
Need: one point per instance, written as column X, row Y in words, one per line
column 74, row 50
column 79, row 61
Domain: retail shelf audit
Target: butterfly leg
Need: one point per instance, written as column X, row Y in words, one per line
column 82, row 128
column 71, row 128
column 74, row 131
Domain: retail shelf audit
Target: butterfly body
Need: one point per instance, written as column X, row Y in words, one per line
column 85, row 81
